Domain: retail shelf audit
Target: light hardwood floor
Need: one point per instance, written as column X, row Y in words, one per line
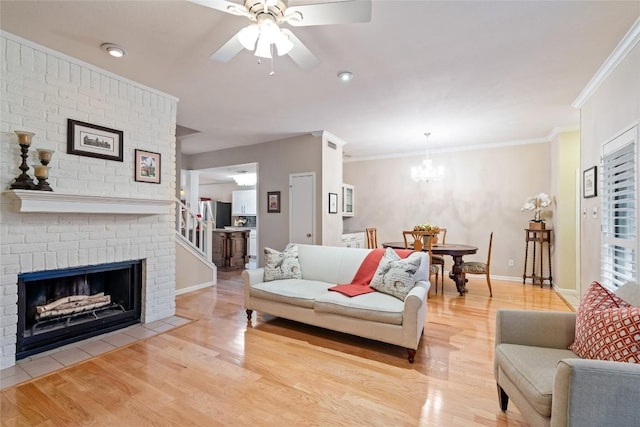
column 217, row 371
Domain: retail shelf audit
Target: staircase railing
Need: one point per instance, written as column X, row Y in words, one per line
column 195, row 230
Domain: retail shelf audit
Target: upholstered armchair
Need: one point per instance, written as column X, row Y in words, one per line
column 550, row 384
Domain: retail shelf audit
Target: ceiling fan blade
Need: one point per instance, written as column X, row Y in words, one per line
column 224, row 6
column 300, row 54
column 228, row 50
column 342, row 12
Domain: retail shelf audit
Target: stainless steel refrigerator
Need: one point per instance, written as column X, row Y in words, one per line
column 220, row 212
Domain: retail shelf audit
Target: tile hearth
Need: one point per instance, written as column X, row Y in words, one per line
column 61, row 357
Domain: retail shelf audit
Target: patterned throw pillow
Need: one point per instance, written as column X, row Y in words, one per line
column 607, row 328
column 281, row 265
column 395, row 276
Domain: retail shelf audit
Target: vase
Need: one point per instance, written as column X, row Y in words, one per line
column 537, row 225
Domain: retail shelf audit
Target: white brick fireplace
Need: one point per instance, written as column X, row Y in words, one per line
column 97, row 213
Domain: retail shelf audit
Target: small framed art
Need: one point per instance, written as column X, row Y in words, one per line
column 273, row 202
column 333, row 203
column 85, row 139
column 147, row 166
column 590, row 182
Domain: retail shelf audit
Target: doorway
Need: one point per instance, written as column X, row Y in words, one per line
column 302, row 221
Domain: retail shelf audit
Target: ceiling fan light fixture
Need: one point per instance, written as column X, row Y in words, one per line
column 248, row 36
column 263, row 48
column 283, row 44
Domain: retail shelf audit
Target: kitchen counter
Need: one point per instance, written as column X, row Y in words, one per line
column 230, row 247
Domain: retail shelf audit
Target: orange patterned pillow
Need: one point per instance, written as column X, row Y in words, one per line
column 607, row 328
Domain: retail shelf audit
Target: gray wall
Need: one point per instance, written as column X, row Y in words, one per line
column 276, row 160
column 483, row 191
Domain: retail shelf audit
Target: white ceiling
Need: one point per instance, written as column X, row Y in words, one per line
column 470, row 72
column 224, row 174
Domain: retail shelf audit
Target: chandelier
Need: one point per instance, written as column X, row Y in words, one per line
column 427, row 172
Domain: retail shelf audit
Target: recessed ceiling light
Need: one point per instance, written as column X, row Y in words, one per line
column 113, row 50
column 345, row 76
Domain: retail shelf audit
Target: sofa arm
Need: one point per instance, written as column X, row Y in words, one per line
column 595, row 393
column 552, row 329
column 417, row 296
column 250, row 278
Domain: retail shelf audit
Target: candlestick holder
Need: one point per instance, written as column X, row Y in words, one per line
column 23, row 181
column 42, row 171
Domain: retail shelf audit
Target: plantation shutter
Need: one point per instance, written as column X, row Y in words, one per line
column 619, row 180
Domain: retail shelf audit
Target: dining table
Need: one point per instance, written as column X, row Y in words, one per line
column 455, row 250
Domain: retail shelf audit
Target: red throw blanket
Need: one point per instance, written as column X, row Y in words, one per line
column 360, row 283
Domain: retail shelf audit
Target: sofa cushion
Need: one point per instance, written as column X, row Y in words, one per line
column 281, row 265
column 396, row 276
column 376, row 306
column 532, row 370
column 290, row 291
column 607, row 327
column 329, row 263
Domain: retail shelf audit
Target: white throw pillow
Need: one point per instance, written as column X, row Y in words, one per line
column 396, row 276
column 282, row 265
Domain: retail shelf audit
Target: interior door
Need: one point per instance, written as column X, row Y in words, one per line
column 302, row 208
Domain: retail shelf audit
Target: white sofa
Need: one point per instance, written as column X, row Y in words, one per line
column 375, row 315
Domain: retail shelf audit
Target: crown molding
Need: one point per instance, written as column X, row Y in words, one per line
column 617, row 56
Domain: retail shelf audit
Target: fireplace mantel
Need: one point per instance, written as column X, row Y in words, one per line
column 45, row 201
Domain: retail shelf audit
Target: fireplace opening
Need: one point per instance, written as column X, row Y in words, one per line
column 58, row 307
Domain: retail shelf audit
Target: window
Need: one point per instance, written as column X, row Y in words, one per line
column 619, row 209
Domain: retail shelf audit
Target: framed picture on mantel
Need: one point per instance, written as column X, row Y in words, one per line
column 147, row 166
column 86, row 139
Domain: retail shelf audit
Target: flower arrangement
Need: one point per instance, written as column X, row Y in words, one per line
column 537, row 204
column 427, row 227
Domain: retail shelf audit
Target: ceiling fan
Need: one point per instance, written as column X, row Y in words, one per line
column 265, row 36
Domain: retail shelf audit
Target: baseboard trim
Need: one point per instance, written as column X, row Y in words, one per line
column 569, row 296
column 195, row 288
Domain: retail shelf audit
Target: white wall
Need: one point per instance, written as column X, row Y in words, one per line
column 483, row 191
column 40, row 90
column 611, row 109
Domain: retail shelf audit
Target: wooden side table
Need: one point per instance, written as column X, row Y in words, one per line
column 539, row 238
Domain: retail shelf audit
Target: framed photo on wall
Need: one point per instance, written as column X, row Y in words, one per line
column 147, row 166
column 590, row 182
column 273, row 202
column 85, row 139
column 333, row 203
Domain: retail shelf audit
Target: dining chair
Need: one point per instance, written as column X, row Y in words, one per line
column 475, row 267
column 438, row 260
column 372, row 237
column 421, row 241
